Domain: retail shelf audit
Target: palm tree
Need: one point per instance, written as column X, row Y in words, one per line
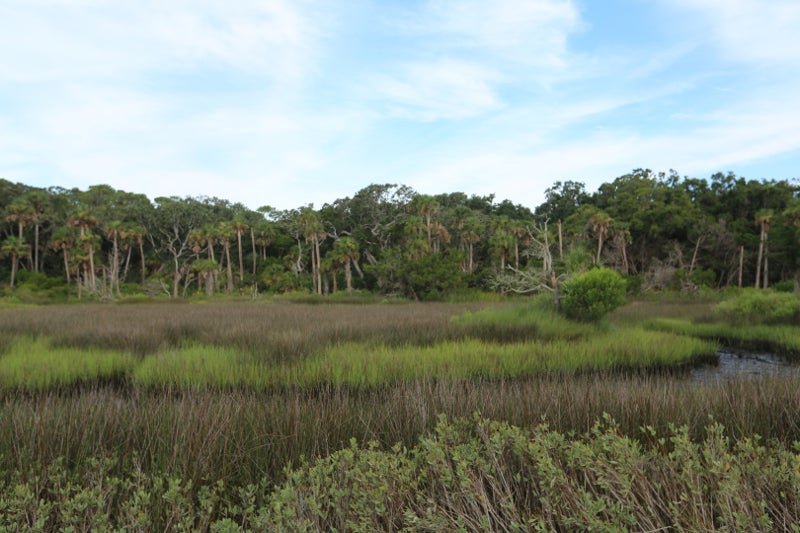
column 15, row 247
column 88, row 243
column 426, row 206
column 440, row 235
column 314, row 232
column 763, row 220
column 84, row 220
column 63, row 240
column 471, row 235
column 197, row 241
column 240, row 226
column 501, row 242
column 225, row 234
column 19, row 213
column 264, row 233
column 113, row 230
column 601, row 223
column 206, row 269
column 346, row 251
column 518, row 230
column 37, row 201
column 138, row 233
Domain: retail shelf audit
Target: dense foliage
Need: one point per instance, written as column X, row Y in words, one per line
column 465, row 475
column 593, row 294
column 660, row 230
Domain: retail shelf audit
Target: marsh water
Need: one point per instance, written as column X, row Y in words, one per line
column 739, row 364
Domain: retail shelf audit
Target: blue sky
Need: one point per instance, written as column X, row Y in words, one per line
column 290, row 102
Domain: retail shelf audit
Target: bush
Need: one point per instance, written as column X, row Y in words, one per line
column 760, row 307
column 591, row 295
column 786, row 285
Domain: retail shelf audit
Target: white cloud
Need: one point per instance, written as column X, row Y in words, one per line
column 751, row 30
column 445, row 89
column 535, row 31
column 117, row 40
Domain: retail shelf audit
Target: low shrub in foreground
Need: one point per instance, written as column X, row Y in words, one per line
column 467, row 475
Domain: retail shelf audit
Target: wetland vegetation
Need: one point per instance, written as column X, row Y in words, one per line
column 229, row 415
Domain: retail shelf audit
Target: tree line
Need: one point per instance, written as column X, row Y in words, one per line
column 660, row 230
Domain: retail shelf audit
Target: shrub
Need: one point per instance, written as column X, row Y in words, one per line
column 786, row 285
column 760, row 307
column 591, row 295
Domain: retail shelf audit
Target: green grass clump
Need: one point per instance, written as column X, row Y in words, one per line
column 197, row 366
column 34, row 364
column 760, row 307
column 631, row 348
column 783, row 340
column 520, row 322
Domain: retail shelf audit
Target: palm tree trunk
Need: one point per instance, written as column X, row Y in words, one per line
column 599, row 247
column 115, row 268
column 66, row 263
column 229, row 284
column 348, row 276
column 319, row 263
column 36, row 247
column 91, row 268
column 14, row 261
column 255, row 253
column 141, row 254
column 241, row 259
column 760, row 255
column 127, row 263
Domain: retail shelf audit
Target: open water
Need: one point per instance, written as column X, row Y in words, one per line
column 737, row 364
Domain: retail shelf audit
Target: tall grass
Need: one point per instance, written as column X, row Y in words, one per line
column 784, row 340
column 33, row 364
column 630, row 348
column 271, row 331
column 241, row 436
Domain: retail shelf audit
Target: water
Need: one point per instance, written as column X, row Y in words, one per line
column 738, row 364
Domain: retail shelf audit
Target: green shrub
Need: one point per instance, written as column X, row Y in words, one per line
column 591, row 295
column 786, row 285
column 760, row 307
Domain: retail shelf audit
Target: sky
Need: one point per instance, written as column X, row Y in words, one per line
column 294, row 102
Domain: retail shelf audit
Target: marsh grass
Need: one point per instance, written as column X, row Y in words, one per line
column 273, row 332
column 201, row 443
column 783, row 340
column 242, row 436
column 631, row 348
column 521, row 322
column 33, row 364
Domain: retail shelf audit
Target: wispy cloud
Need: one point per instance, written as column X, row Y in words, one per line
column 750, row 30
column 446, row 89
column 534, row 31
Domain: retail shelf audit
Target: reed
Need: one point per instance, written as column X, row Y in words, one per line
column 630, row 348
column 784, row 340
column 33, row 364
column 241, row 436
